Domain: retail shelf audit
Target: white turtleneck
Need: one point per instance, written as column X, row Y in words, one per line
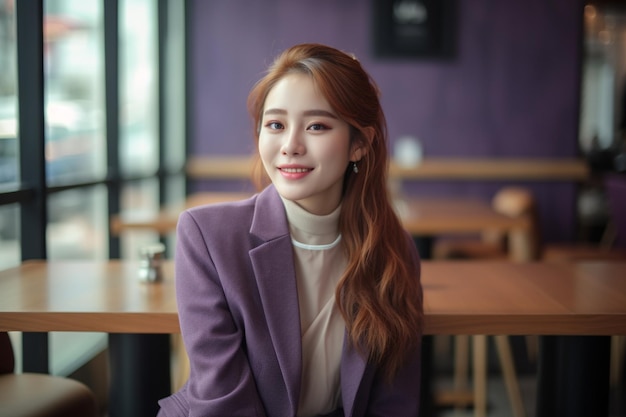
column 319, row 261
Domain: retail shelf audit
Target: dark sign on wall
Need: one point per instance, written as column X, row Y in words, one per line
column 413, row 28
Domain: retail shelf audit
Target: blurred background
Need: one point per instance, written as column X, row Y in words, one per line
column 101, row 117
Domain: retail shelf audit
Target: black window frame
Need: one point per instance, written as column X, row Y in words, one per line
column 31, row 192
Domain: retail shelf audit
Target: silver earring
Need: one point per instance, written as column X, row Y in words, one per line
column 355, row 168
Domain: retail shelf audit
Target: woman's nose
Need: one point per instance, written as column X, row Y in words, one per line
column 293, row 143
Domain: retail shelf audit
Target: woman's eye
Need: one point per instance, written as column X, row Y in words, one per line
column 317, row 126
column 274, row 125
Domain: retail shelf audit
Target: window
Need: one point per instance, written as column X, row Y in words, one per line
column 603, row 106
column 139, row 147
column 77, row 224
column 8, row 94
column 75, row 148
column 74, row 83
column 10, row 253
column 113, row 139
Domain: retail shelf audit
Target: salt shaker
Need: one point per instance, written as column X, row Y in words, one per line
column 150, row 263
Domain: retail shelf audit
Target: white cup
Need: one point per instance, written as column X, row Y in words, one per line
column 407, row 151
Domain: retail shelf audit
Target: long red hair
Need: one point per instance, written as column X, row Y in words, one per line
column 379, row 294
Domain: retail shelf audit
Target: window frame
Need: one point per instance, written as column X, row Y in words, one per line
column 31, row 192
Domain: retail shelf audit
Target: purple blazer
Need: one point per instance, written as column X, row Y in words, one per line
column 239, row 317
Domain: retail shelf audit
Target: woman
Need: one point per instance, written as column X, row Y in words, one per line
column 305, row 299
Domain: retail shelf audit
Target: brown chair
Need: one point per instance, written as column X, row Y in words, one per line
column 40, row 395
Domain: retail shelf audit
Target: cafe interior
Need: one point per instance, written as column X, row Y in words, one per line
column 507, row 136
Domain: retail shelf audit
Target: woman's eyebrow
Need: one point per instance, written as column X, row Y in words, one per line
column 322, row 113
column 275, row 111
column 314, row 112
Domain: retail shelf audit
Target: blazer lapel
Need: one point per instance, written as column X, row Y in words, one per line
column 273, row 266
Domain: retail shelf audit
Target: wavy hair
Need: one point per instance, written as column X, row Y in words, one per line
column 379, row 294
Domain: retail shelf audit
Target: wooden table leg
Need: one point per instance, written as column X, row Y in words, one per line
column 503, row 346
column 479, row 344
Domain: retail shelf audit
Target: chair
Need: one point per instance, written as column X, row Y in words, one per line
column 40, row 395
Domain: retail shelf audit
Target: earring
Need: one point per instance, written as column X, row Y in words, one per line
column 355, row 168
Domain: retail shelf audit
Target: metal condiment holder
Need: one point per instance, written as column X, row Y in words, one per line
column 150, row 262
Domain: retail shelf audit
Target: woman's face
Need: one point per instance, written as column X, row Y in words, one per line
column 304, row 146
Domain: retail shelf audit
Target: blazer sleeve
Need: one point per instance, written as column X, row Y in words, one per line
column 220, row 381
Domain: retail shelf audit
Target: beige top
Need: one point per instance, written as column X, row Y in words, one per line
column 320, row 262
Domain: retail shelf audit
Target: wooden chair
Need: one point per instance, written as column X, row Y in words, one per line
column 40, row 395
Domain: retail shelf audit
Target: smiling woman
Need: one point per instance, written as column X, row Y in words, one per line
column 308, row 293
column 304, row 146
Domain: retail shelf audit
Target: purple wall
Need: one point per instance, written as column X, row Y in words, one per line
column 511, row 89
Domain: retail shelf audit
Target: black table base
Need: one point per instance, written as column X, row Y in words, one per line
column 140, row 373
column 573, row 376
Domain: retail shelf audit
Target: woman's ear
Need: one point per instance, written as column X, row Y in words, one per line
column 357, row 153
column 359, row 147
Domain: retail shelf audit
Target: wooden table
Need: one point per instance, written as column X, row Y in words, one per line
column 86, row 296
column 472, row 297
column 423, row 217
column 567, row 300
